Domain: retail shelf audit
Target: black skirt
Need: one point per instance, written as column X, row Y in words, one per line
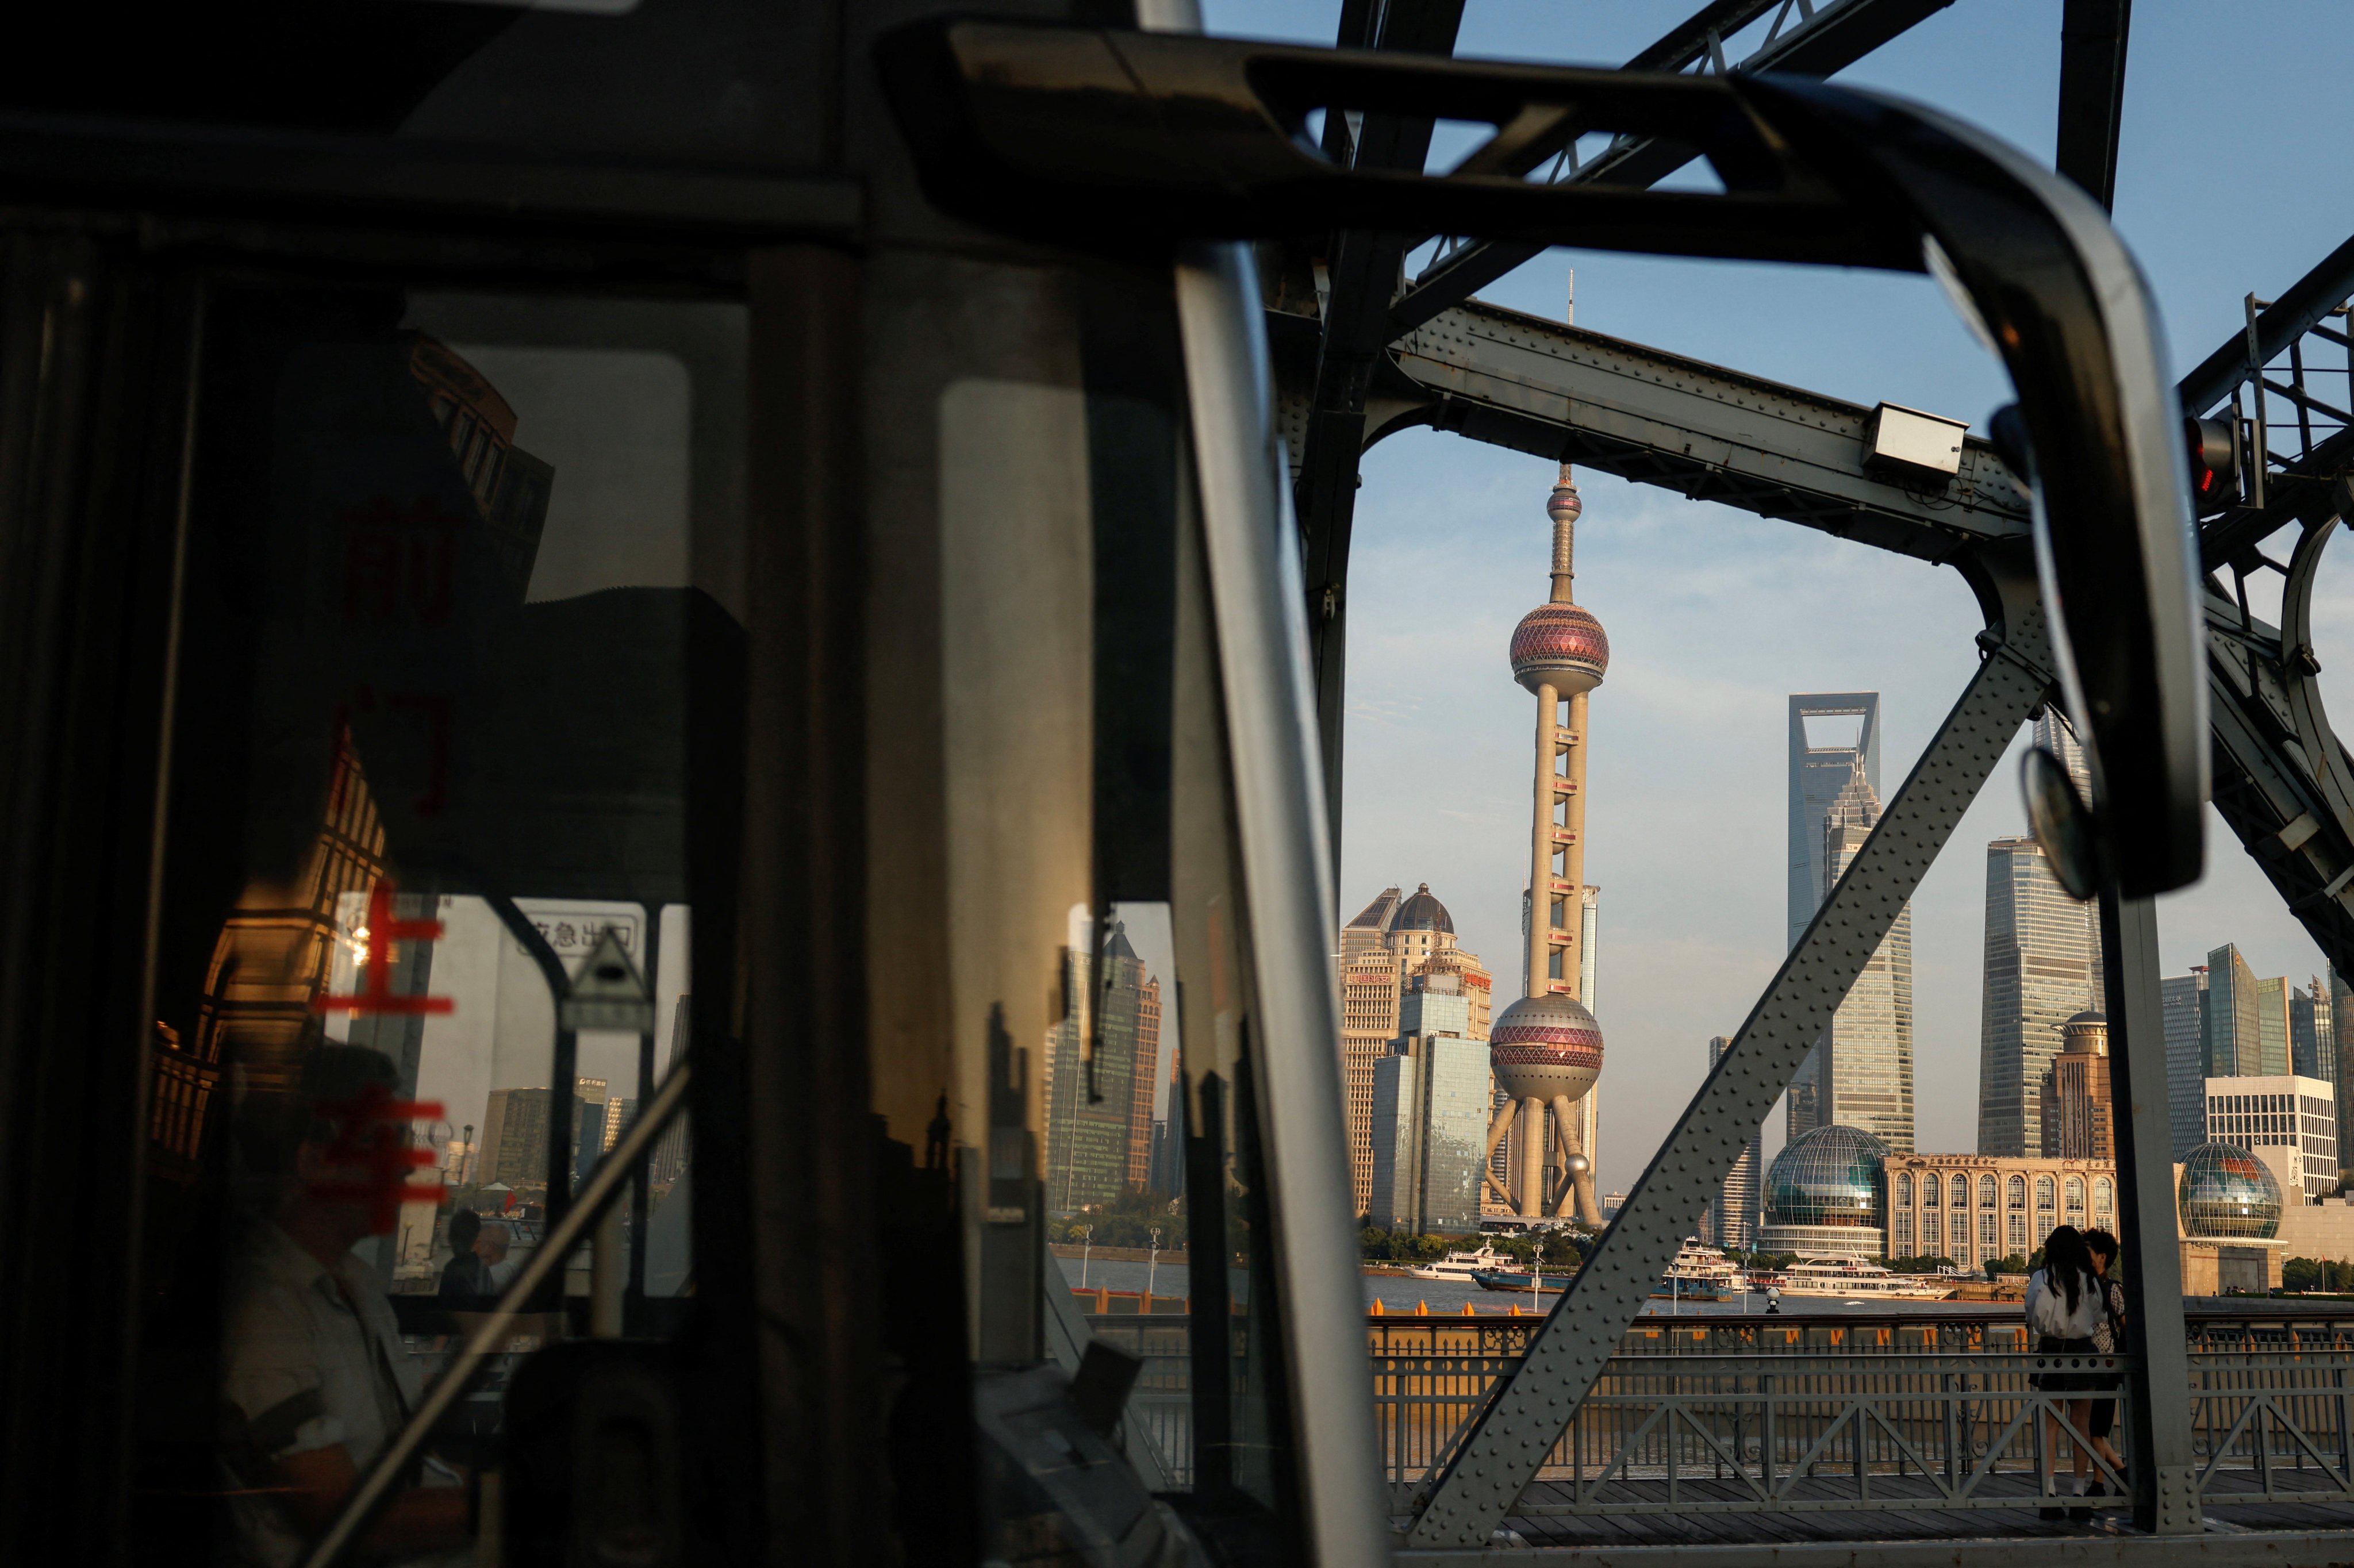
column 2085, row 1382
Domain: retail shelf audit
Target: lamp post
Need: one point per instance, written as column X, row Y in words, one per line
column 1086, row 1232
column 1151, row 1264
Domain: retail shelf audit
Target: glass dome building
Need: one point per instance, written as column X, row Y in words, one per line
column 1826, row 1195
column 2227, row 1194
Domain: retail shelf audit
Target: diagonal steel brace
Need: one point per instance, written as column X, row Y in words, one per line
column 1491, row 1467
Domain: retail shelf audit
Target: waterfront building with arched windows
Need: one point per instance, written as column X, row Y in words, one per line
column 1973, row 1208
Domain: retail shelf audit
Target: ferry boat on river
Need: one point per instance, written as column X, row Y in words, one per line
column 1523, row 1281
column 1463, row 1265
column 1701, row 1274
column 1854, row 1279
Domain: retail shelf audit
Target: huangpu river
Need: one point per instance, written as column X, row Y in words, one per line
column 1401, row 1293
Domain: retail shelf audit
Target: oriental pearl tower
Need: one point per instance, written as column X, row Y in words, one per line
column 1546, row 1049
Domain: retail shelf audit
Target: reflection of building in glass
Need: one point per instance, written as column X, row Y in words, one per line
column 2226, row 1191
column 1823, row 1195
column 672, row 1150
column 1976, row 1208
column 1098, row 1144
column 1393, row 940
column 2183, row 1001
column 2288, row 1122
column 272, row 963
column 2078, row 1123
column 515, row 1130
column 1732, row 1217
column 510, row 486
column 275, row 953
column 183, row 1094
column 1165, row 1175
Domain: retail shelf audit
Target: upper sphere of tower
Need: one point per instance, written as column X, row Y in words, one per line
column 1561, row 646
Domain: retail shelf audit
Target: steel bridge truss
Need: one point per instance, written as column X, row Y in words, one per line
column 2284, row 782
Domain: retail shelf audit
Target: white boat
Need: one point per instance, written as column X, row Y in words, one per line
column 1462, row 1265
column 1854, row 1279
column 1699, row 1273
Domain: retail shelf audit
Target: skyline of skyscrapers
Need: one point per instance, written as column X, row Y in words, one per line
column 2042, row 972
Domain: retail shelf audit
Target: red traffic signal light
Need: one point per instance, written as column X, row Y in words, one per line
column 2214, row 461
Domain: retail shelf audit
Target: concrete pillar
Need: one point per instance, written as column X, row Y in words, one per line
column 1541, row 844
column 1573, row 870
column 1530, row 1199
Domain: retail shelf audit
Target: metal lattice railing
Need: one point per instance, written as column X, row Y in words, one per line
column 2274, row 1427
column 1792, row 1431
column 1730, row 1415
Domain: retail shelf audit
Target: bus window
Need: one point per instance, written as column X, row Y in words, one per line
column 460, row 568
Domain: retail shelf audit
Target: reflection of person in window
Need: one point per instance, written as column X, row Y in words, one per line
column 498, row 1268
column 465, row 1275
column 316, row 1382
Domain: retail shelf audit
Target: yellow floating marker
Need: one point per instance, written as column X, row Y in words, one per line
column 1375, row 1309
column 1422, row 1308
column 1466, row 1309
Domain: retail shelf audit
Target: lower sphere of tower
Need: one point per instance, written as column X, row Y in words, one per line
column 1545, row 1048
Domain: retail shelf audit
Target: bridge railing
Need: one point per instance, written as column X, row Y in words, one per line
column 1730, row 1415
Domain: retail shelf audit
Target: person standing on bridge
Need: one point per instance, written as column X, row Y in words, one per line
column 2065, row 1304
column 2108, row 1340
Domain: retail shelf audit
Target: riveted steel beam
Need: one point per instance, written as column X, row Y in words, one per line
column 1827, row 38
column 2282, row 777
column 1531, row 1409
column 1364, row 274
column 2092, row 94
column 1710, row 433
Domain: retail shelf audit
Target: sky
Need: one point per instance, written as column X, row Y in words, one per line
column 1715, row 617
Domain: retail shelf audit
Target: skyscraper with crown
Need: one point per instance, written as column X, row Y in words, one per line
column 1396, row 944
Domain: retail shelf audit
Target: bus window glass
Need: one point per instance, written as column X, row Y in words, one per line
column 458, row 568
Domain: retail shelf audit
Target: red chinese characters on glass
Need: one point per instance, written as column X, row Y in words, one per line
column 376, row 995
column 370, row 1157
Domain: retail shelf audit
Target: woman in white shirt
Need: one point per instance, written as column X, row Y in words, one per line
column 2065, row 1305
